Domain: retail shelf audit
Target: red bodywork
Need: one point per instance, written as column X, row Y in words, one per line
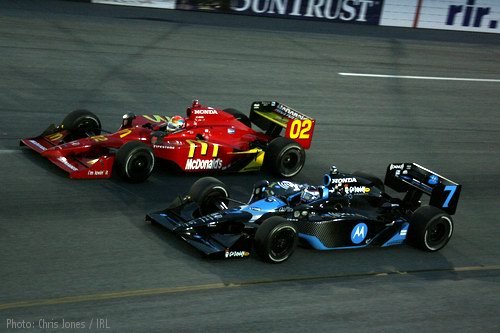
column 211, row 140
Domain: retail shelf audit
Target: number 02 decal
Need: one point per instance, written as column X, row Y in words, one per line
column 300, row 129
column 99, row 138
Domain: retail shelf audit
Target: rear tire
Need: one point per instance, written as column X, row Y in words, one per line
column 275, row 240
column 134, row 161
column 284, row 157
column 430, row 228
column 207, row 192
column 81, row 122
column 243, row 118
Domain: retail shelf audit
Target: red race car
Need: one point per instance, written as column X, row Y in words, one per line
column 207, row 139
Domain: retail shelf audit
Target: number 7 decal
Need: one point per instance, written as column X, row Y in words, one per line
column 452, row 189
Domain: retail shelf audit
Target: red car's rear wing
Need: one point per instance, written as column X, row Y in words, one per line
column 405, row 177
column 273, row 116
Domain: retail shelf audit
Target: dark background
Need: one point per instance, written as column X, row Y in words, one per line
column 79, row 250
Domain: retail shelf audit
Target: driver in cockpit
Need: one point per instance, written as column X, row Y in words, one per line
column 309, row 194
column 175, row 124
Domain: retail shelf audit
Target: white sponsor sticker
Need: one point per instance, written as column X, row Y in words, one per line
column 343, row 180
column 64, row 161
column 98, row 172
column 199, row 164
column 38, row 145
column 236, row 254
column 357, row 189
column 205, row 111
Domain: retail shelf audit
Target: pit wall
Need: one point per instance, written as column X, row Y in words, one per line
column 460, row 15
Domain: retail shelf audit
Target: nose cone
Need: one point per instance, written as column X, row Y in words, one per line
column 77, row 147
column 52, row 152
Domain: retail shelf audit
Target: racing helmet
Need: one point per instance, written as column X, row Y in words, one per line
column 333, row 170
column 309, row 194
column 127, row 119
column 175, row 123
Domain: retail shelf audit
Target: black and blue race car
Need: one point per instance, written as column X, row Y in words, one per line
column 347, row 211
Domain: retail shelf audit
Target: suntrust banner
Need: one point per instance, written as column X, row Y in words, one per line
column 356, row 11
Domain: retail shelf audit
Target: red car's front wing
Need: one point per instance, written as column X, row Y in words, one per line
column 78, row 168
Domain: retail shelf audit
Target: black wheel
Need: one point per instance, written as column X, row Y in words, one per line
column 134, row 161
column 81, row 122
column 209, row 193
column 243, row 118
column 284, row 157
column 275, row 239
column 375, row 181
column 430, row 228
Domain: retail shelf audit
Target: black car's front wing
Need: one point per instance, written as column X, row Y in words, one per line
column 212, row 244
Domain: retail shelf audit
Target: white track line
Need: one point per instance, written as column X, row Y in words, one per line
column 420, row 77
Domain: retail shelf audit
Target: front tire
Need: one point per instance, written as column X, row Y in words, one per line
column 284, row 157
column 134, row 161
column 209, row 193
column 81, row 122
column 430, row 228
column 275, row 240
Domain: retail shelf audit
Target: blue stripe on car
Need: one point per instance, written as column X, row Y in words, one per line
column 398, row 238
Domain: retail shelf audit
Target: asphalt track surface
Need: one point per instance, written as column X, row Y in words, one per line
column 79, row 251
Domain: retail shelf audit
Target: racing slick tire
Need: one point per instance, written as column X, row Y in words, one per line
column 430, row 228
column 81, row 122
column 134, row 161
column 209, row 193
column 284, row 157
column 375, row 181
column 243, row 118
column 275, row 240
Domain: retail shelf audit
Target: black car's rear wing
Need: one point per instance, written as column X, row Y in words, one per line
column 411, row 178
column 272, row 117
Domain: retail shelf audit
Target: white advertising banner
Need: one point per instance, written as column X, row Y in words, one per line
column 166, row 4
column 463, row 15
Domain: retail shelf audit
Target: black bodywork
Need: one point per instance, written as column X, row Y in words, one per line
column 351, row 211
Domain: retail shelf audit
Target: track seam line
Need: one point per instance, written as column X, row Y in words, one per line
column 170, row 290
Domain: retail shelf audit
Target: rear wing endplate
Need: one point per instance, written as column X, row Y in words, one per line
column 405, row 177
column 272, row 117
